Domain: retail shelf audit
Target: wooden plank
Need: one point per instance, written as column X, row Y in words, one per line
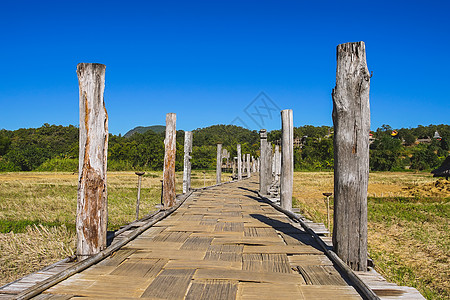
column 170, row 254
column 329, row 292
column 144, row 268
column 212, row 289
column 263, row 262
column 268, row 291
column 204, row 264
column 242, row 275
column 170, row 284
column 321, row 275
column 230, row 226
column 197, row 243
column 288, row 249
column 308, row 260
column 117, row 258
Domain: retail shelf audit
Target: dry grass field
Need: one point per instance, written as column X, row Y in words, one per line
column 409, row 217
column 38, row 211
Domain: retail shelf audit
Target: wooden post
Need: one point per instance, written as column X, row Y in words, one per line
column 139, row 174
column 169, row 194
column 92, row 201
column 187, row 161
column 219, row 163
column 277, row 164
column 265, row 176
column 287, row 159
column 351, row 118
column 239, row 162
column 234, row 166
column 249, row 170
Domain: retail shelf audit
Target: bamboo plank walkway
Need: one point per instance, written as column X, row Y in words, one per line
column 222, row 243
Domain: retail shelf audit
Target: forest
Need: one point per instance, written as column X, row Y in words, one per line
column 55, row 148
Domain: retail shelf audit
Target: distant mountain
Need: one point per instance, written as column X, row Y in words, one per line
column 142, row 129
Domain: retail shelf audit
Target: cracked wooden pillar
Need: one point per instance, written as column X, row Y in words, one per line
column 169, row 194
column 277, row 163
column 351, row 118
column 249, row 170
column 287, row 159
column 187, row 161
column 219, row 163
column 92, row 201
column 239, row 162
column 265, row 176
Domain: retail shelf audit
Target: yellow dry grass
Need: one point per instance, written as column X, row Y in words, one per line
column 411, row 251
column 39, row 246
column 52, row 197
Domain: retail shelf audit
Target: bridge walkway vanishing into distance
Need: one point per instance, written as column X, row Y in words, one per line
column 224, row 242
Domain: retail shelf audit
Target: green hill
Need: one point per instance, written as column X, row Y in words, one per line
column 142, row 129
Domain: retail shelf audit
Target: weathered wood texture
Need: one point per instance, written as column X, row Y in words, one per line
column 187, row 161
column 351, row 118
column 277, row 163
column 138, row 197
column 287, row 159
column 92, row 203
column 239, row 161
column 219, row 164
column 265, row 172
column 169, row 161
column 249, row 170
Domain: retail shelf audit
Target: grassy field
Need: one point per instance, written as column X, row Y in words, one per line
column 409, row 217
column 38, row 211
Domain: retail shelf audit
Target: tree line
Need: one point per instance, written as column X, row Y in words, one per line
column 55, row 148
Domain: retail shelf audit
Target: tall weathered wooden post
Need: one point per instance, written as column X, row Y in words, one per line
column 92, row 201
column 187, row 161
column 169, row 194
column 234, row 166
column 219, row 163
column 287, row 159
column 249, row 170
column 351, row 118
column 277, row 163
column 239, row 161
column 265, row 172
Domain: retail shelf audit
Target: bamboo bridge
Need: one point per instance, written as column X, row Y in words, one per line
column 222, row 242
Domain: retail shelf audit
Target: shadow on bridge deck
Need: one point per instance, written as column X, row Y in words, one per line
column 222, row 243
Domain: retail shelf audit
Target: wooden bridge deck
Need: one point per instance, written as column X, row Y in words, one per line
column 222, row 243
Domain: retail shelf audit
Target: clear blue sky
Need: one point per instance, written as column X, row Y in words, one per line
column 207, row 61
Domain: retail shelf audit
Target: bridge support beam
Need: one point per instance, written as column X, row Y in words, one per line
column 92, row 202
column 287, row 159
column 249, row 170
column 219, row 164
column 169, row 194
column 265, row 171
column 351, row 118
column 187, row 161
column 239, row 161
